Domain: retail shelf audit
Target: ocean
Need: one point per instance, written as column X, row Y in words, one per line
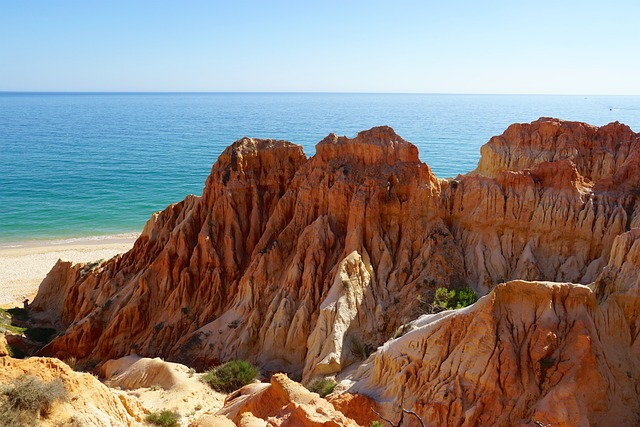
column 93, row 164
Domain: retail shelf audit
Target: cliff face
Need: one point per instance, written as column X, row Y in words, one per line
column 546, row 223
column 598, row 153
column 546, row 202
column 301, row 265
column 527, row 352
column 308, row 265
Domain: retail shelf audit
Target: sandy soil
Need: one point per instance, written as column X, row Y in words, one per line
column 23, row 266
column 161, row 385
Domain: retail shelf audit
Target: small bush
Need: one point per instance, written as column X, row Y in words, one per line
column 230, row 376
column 454, row 298
column 164, row 418
column 6, row 319
column 400, row 330
column 376, row 424
column 322, row 386
column 30, row 397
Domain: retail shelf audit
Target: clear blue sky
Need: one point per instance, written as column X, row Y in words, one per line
column 565, row 47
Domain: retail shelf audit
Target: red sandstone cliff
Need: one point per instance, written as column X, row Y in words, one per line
column 301, row 265
column 306, row 265
column 526, row 352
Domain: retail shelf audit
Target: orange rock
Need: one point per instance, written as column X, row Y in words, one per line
column 307, row 266
column 358, row 407
column 272, row 244
column 597, row 152
column 526, row 352
column 622, row 274
column 283, row 402
column 212, row 421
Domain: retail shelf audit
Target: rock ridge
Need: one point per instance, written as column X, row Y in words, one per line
column 306, row 266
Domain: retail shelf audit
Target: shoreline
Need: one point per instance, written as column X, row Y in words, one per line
column 23, row 265
column 62, row 241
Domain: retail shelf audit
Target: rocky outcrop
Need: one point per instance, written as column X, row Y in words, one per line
column 88, row 402
column 307, row 265
column 547, row 223
column 597, row 152
column 4, row 351
column 298, row 264
column 359, row 407
column 546, row 202
column 528, row 353
column 282, row 402
column 621, row 276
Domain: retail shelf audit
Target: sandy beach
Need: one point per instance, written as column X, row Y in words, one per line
column 23, row 266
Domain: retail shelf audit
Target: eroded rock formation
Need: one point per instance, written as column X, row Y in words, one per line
column 88, row 401
column 300, row 265
column 282, row 402
column 527, row 352
column 307, row 265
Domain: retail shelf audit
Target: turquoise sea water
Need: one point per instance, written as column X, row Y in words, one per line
column 74, row 165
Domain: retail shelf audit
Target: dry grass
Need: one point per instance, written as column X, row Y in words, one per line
column 27, row 399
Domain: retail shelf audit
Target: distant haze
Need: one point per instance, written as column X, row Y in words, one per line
column 543, row 47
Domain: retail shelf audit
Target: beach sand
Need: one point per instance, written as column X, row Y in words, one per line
column 24, row 266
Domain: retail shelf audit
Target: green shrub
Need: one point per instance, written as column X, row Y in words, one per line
column 27, row 398
column 6, row 320
column 230, row 376
column 164, row 418
column 375, row 424
column 322, row 386
column 453, row 299
column 72, row 362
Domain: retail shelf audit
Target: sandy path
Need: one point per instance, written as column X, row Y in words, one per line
column 23, row 267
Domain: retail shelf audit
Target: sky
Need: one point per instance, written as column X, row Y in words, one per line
column 406, row 46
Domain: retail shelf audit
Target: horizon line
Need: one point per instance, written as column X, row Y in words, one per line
column 80, row 92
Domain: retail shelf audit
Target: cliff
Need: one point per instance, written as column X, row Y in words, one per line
column 528, row 352
column 302, row 265
column 308, row 265
column 597, row 152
